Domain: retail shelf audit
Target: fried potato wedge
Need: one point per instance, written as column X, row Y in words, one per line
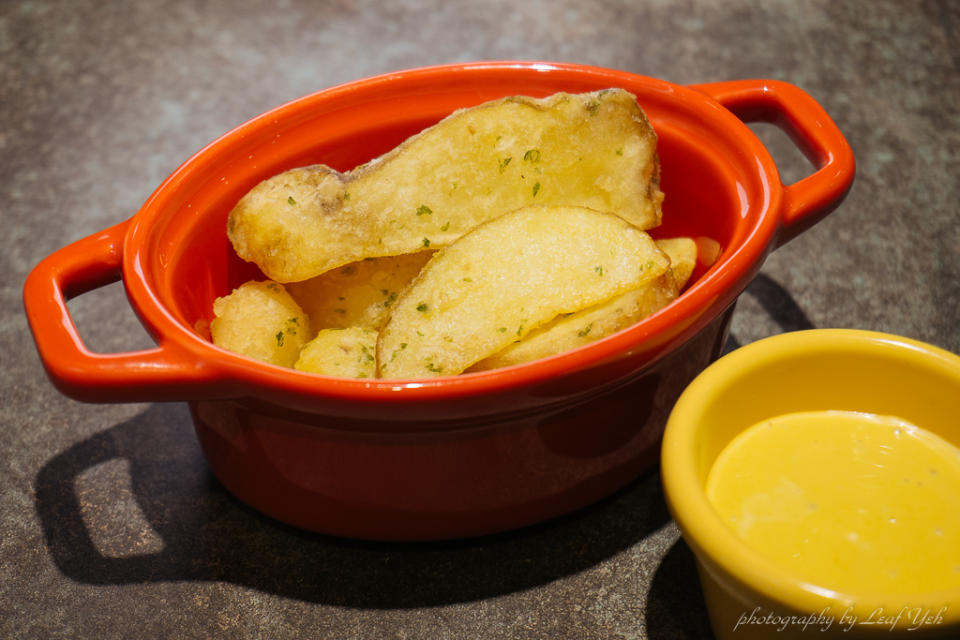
column 359, row 294
column 683, row 258
column 260, row 320
column 577, row 329
column 596, row 150
column 507, row 277
column 345, row 353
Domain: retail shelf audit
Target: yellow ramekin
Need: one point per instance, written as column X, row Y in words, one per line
column 748, row 596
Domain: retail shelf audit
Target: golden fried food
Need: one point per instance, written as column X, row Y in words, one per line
column 345, row 353
column 683, row 258
column 260, row 320
column 595, row 150
column 359, row 294
column 574, row 330
column 506, row 278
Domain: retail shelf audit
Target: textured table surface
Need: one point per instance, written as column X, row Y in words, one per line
column 111, row 525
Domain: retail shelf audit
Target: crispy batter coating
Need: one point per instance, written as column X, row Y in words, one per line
column 595, row 150
column 506, row 278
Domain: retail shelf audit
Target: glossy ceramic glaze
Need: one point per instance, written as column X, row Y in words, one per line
column 816, row 370
column 448, row 456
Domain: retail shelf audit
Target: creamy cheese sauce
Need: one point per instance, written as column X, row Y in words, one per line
column 848, row 501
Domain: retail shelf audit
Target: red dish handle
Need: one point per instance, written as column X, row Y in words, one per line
column 148, row 375
column 808, row 200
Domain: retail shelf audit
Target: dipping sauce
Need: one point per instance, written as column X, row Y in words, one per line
column 848, row 501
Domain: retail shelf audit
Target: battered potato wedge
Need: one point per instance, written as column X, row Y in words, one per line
column 260, row 320
column 577, row 329
column 359, row 294
column 595, row 150
column 345, row 353
column 683, row 258
column 507, row 277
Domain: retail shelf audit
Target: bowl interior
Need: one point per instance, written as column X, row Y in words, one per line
column 716, row 175
column 850, row 371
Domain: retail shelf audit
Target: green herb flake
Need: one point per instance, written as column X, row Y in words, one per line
column 599, row 270
column 426, row 242
column 583, row 332
column 279, row 337
column 424, row 210
column 536, row 189
column 619, row 151
column 434, row 368
column 445, row 226
column 502, row 329
column 391, row 297
column 592, row 107
column 422, row 307
column 291, row 201
column 503, row 164
column 532, row 155
column 346, row 195
column 468, row 279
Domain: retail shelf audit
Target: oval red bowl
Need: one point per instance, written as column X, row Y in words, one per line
column 452, row 456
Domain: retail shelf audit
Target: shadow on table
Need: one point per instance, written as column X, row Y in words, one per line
column 675, row 602
column 203, row 533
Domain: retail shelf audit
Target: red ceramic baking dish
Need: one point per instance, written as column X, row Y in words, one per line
column 452, row 456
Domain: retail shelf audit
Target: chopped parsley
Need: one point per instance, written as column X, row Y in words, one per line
column 583, row 332
column 279, row 337
column 426, row 242
column 503, row 163
column 445, row 226
column 291, row 201
column 424, row 210
column 391, row 296
column 599, row 270
column 619, row 151
column 592, row 107
column 532, row 155
column 422, row 307
column 536, row 189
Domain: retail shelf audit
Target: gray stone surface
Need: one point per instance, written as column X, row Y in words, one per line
column 110, row 523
